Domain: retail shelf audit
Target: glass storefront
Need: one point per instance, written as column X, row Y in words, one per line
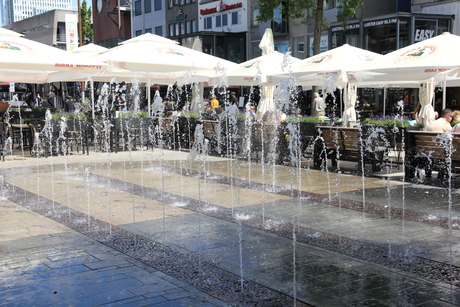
column 340, row 37
column 389, row 34
column 229, row 47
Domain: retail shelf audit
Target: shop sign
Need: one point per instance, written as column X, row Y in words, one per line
column 349, row 27
column 221, row 7
column 422, row 34
column 381, row 22
column 180, row 14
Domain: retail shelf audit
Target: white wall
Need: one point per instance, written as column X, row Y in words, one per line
column 242, row 11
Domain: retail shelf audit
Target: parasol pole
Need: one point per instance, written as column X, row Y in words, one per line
column 148, row 96
column 444, row 91
column 384, row 99
column 80, row 40
column 92, row 99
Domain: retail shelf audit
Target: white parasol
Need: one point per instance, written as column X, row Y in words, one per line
column 416, row 62
column 349, row 115
column 146, row 55
column 426, row 94
column 21, row 54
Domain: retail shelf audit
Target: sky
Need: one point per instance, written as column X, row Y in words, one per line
column 75, row 3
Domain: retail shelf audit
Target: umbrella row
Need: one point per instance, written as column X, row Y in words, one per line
column 155, row 59
column 164, row 61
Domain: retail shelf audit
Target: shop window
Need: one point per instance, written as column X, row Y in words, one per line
column 208, row 43
column 188, row 28
column 256, row 51
column 207, row 23
column 159, row 30
column 182, row 28
column 137, row 8
column 424, row 29
column 148, row 6
column 380, row 38
column 148, row 30
column 171, row 30
column 404, row 31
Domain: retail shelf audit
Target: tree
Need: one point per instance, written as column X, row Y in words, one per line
column 305, row 10
column 86, row 26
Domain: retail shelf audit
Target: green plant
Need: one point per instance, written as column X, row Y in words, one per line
column 398, row 122
column 302, row 119
column 133, row 114
column 38, row 109
column 190, row 114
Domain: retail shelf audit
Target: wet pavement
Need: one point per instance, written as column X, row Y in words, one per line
column 147, row 228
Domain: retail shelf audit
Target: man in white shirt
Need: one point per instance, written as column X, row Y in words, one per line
column 442, row 124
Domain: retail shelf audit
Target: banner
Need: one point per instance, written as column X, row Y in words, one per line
column 71, row 31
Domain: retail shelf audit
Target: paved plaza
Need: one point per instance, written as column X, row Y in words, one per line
column 156, row 228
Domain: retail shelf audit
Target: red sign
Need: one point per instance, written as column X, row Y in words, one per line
column 221, row 7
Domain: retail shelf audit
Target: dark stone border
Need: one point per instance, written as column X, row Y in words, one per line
column 424, row 267
column 196, row 272
column 392, row 212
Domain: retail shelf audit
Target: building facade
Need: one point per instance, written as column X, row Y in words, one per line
column 111, row 21
column 148, row 16
column 48, row 28
column 17, row 10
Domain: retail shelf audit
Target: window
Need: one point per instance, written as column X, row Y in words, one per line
column 207, row 23
column 256, row 51
column 299, row 47
column 188, row 27
column 170, row 3
column 221, row 20
column 236, row 18
column 171, row 30
column 330, row 4
column 176, row 29
column 148, row 6
column 158, row 5
column 138, row 32
column 137, row 8
column 193, row 26
column 255, row 14
column 182, row 27
column 159, row 30
column 148, row 30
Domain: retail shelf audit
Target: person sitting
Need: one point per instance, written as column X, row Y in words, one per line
column 442, row 124
column 214, row 102
column 209, row 114
column 251, row 111
column 455, row 123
